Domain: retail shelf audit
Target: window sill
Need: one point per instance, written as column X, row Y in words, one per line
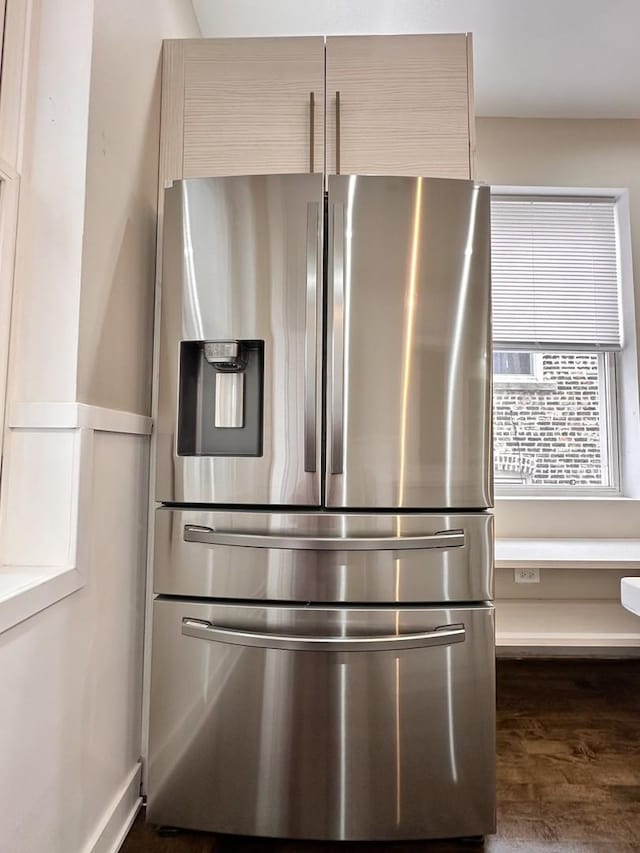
column 533, row 496
column 26, row 590
column 523, row 385
column 568, row 554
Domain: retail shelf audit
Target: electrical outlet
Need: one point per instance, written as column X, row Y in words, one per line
column 526, row 575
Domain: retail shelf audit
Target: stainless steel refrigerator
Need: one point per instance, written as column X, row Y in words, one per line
column 323, row 641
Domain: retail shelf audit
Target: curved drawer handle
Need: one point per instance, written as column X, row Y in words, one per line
column 209, row 536
column 445, row 635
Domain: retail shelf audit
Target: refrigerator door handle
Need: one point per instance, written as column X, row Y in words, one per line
column 445, row 635
column 209, row 536
column 311, row 337
column 337, row 342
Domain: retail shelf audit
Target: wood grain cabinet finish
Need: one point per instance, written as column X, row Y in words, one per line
column 405, row 105
column 242, row 106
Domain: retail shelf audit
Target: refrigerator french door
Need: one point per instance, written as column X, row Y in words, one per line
column 398, row 381
column 322, row 642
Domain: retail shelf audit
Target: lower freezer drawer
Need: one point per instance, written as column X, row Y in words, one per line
column 323, row 722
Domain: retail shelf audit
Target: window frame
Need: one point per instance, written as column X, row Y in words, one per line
column 612, row 382
column 532, row 378
column 9, row 192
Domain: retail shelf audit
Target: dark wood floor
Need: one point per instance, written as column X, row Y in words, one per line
column 568, row 770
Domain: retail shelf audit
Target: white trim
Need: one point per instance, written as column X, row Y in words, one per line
column 568, row 554
column 17, row 50
column 628, row 419
column 543, row 190
column 25, row 591
column 9, row 197
column 118, row 816
column 62, row 435
column 76, row 416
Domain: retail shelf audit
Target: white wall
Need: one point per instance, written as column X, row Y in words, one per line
column 71, row 674
column 569, row 153
column 116, row 310
column 70, row 714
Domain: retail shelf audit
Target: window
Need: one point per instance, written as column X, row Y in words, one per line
column 516, row 366
column 557, row 330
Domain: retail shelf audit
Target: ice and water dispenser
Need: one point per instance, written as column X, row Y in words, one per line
column 220, row 408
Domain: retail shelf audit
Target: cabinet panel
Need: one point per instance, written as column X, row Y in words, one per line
column 404, row 105
column 246, row 106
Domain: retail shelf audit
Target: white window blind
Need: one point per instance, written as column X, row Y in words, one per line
column 555, row 273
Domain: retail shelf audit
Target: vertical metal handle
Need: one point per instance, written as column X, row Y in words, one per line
column 311, row 336
column 337, row 342
column 312, row 109
column 337, row 133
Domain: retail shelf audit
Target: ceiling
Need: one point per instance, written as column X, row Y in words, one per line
column 543, row 58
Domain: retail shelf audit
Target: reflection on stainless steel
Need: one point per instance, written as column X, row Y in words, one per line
column 191, row 291
column 416, row 399
column 455, row 383
column 235, row 268
column 311, row 337
column 345, row 740
column 444, row 635
column 229, row 400
column 208, row 536
column 398, row 739
column 450, row 717
column 322, row 662
column 337, row 338
column 189, row 562
column 408, row 396
column 409, row 330
column 347, row 306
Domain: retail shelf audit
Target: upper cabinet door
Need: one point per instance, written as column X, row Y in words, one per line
column 243, row 107
column 403, row 108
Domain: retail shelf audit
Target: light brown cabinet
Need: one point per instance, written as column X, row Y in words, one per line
column 256, row 106
column 403, row 105
column 242, row 106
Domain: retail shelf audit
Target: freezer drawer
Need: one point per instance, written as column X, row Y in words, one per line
column 322, row 722
column 311, row 556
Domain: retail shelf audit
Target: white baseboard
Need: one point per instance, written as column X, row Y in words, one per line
column 118, row 817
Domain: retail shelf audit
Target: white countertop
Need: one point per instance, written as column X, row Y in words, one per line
column 630, row 594
column 567, row 553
